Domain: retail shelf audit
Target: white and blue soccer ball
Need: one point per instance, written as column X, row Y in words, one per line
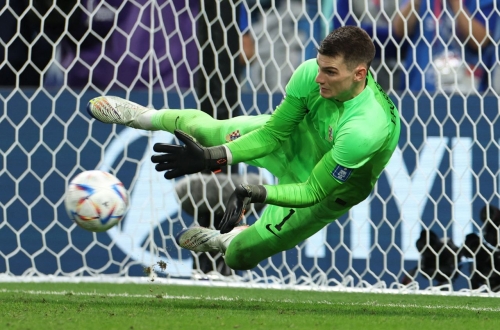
column 96, row 200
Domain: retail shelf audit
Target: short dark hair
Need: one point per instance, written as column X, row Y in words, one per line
column 351, row 42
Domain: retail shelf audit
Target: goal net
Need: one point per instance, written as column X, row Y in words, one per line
column 431, row 223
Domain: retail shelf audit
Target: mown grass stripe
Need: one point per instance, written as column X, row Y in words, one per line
column 223, row 298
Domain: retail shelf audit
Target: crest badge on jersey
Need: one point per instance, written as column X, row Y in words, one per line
column 342, row 173
column 233, row 136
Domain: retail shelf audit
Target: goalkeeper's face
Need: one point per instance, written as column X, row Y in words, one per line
column 336, row 80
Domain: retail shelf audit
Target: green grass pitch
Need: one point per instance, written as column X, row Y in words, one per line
column 159, row 306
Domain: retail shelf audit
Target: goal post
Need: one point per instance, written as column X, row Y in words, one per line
column 431, row 223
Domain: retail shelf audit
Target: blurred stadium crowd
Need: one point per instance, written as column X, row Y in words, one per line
column 430, row 45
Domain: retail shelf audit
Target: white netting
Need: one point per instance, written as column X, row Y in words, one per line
column 234, row 58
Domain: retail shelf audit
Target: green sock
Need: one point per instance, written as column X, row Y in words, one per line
column 196, row 123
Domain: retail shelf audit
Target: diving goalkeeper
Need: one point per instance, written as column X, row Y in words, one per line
column 327, row 143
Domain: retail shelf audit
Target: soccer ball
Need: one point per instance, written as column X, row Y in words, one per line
column 96, row 200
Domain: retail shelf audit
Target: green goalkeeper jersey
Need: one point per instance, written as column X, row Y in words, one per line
column 327, row 149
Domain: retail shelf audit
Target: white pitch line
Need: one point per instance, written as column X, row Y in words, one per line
column 223, row 298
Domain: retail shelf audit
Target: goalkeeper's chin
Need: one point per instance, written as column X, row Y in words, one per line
column 325, row 93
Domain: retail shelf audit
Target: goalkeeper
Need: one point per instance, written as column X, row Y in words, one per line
column 327, row 143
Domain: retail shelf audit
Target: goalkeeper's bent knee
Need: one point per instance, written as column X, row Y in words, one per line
column 238, row 259
column 247, row 249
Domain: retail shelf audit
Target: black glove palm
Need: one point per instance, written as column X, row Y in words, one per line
column 235, row 209
column 190, row 158
column 238, row 204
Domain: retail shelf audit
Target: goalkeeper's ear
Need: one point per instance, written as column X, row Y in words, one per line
column 360, row 73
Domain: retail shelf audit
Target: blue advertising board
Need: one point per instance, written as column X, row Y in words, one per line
column 444, row 171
